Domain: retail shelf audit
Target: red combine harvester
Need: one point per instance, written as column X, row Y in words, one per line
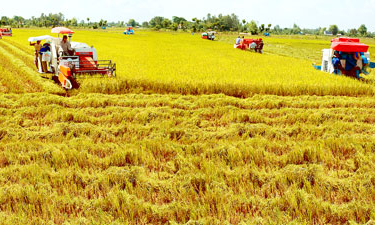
column 6, row 31
column 347, row 56
column 246, row 45
column 83, row 61
column 210, row 35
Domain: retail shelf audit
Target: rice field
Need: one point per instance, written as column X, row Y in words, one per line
column 190, row 132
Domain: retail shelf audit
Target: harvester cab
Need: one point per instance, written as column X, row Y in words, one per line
column 6, row 31
column 347, row 56
column 210, row 35
column 81, row 62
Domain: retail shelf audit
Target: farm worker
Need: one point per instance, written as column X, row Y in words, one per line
column 65, row 45
column 252, row 46
column 37, row 47
column 365, row 63
column 337, row 64
column 260, row 46
column 45, row 53
column 238, row 40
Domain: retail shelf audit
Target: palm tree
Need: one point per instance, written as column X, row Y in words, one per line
column 88, row 21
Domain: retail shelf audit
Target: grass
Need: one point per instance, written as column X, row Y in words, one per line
column 166, row 142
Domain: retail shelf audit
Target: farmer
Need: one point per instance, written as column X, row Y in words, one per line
column 253, row 46
column 365, row 63
column 46, row 56
column 260, row 46
column 238, row 40
column 66, row 48
column 338, row 69
column 37, row 47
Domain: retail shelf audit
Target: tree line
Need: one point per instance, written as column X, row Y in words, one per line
column 225, row 23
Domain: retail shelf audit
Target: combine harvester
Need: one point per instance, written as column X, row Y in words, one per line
column 129, row 31
column 347, row 56
column 65, row 68
column 210, row 35
column 6, row 31
column 246, row 45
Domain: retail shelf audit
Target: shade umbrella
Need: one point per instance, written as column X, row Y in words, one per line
column 62, row 30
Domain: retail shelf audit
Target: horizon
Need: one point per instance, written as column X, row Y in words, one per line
column 292, row 12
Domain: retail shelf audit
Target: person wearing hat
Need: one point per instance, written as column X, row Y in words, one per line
column 66, row 47
column 45, row 53
column 260, row 46
column 37, row 47
column 253, row 46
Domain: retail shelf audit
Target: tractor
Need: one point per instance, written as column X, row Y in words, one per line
column 347, row 56
column 83, row 61
column 6, row 31
column 210, row 35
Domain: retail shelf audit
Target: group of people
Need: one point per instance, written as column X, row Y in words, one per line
column 254, row 45
column 350, row 63
column 43, row 53
column 7, row 30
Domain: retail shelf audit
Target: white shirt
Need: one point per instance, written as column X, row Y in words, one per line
column 253, row 45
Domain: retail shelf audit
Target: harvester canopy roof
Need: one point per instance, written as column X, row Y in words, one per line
column 345, row 39
column 349, row 47
column 62, row 30
column 40, row 38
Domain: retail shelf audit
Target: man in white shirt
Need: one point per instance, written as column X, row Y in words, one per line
column 252, row 46
column 66, row 48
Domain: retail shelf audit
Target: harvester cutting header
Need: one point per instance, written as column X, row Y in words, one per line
column 66, row 59
column 346, row 56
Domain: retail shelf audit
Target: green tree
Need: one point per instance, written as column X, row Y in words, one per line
column 156, row 21
column 145, row 24
column 334, row 29
column 353, row 32
column 132, row 23
column 252, row 27
column 362, row 30
column 261, row 28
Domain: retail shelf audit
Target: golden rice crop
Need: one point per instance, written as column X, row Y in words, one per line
column 183, row 63
column 143, row 159
column 165, row 154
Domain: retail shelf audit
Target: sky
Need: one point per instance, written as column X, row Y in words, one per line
column 306, row 14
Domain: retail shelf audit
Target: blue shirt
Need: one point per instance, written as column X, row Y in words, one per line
column 45, row 48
